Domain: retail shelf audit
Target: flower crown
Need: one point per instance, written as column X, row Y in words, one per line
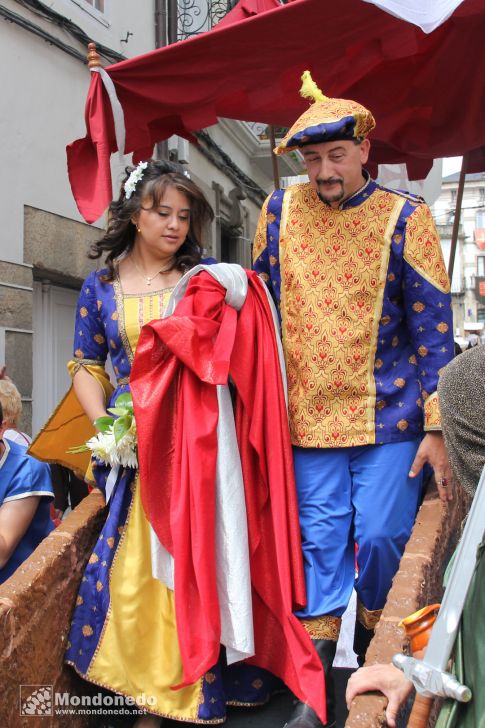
column 134, row 178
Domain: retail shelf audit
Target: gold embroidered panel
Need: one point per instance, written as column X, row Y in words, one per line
column 325, row 627
column 432, row 415
column 423, row 249
column 333, row 267
column 259, row 243
column 368, row 618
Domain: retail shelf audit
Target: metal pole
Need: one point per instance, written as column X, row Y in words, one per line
column 160, row 23
column 161, row 39
column 456, row 221
column 274, row 159
column 172, row 16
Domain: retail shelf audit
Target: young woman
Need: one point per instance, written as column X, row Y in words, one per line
column 123, row 635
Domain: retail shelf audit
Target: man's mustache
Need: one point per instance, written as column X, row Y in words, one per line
column 329, row 181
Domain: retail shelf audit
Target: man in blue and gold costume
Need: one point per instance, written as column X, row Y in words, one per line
column 365, row 305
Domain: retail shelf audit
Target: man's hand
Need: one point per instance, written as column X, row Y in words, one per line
column 388, row 680
column 433, row 451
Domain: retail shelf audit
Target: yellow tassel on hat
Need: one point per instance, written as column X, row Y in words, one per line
column 310, row 90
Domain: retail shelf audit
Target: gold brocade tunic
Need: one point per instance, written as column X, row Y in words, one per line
column 350, row 332
column 332, row 327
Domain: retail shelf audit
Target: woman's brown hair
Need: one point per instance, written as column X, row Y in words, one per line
column 119, row 237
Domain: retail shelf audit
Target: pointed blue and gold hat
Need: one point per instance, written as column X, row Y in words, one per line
column 326, row 120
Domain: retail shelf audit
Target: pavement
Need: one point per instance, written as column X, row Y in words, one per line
column 277, row 711
column 272, row 715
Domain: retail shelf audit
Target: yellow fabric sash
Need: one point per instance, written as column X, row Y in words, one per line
column 69, row 426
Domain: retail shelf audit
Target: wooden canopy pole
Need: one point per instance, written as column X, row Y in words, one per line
column 94, row 59
column 274, row 158
column 456, row 220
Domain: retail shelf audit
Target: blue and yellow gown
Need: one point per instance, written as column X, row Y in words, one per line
column 123, row 635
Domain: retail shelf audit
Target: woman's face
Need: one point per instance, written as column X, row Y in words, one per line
column 163, row 229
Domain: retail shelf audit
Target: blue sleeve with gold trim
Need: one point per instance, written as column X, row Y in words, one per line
column 89, row 335
column 266, row 244
column 427, row 301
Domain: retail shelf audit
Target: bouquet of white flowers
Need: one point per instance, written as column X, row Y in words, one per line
column 115, row 444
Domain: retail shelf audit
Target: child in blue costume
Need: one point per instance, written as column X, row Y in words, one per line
column 25, row 495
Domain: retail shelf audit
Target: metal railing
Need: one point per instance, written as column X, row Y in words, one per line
column 198, row 16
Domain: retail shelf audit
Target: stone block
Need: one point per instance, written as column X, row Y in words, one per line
column 18, row 358
column 55, row 243
column 25, row 424
column 15, row 308
column 20, row 275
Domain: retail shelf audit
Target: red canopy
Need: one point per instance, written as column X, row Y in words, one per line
column 426, row 91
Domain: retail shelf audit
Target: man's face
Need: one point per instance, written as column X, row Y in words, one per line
column 335, row 168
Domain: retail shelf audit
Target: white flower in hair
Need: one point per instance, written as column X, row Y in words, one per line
column 134, row 178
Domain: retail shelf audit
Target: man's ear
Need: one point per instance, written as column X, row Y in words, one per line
column 364, row 151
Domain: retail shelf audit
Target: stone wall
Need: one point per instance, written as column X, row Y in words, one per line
column 417, row 583
column 55, row 250
column 35, row 614
column 16, row 285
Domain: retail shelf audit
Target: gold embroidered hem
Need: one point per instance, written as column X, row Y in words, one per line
column 325, row 627
column 367, row 618
column 432, row 415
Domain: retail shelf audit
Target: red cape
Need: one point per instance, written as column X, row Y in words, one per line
column 178, row 362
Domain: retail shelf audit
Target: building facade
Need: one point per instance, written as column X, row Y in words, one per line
column 468, row 284
column 44, row 241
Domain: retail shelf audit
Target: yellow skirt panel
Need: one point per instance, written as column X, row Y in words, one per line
column 138, row 651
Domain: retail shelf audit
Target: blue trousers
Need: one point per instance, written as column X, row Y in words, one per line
column 354, row 495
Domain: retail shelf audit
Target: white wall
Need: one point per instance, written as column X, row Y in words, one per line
column 43, row 92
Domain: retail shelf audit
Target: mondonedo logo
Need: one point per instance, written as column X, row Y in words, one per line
column 42, row 700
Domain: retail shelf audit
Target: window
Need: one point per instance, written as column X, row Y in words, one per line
column 98, row 9
column 481, row 265
column 96, row 4
column 480, row 219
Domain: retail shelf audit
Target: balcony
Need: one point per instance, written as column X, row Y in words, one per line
column 198, row 16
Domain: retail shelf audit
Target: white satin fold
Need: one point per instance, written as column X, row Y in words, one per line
column 116, row 108
column 111, row 482
column 426, row 15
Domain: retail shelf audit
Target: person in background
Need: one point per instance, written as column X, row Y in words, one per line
column 69, row 490
column 25, row 495
column 12, row 410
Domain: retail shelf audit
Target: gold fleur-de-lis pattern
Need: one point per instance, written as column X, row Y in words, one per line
column 365, row 309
